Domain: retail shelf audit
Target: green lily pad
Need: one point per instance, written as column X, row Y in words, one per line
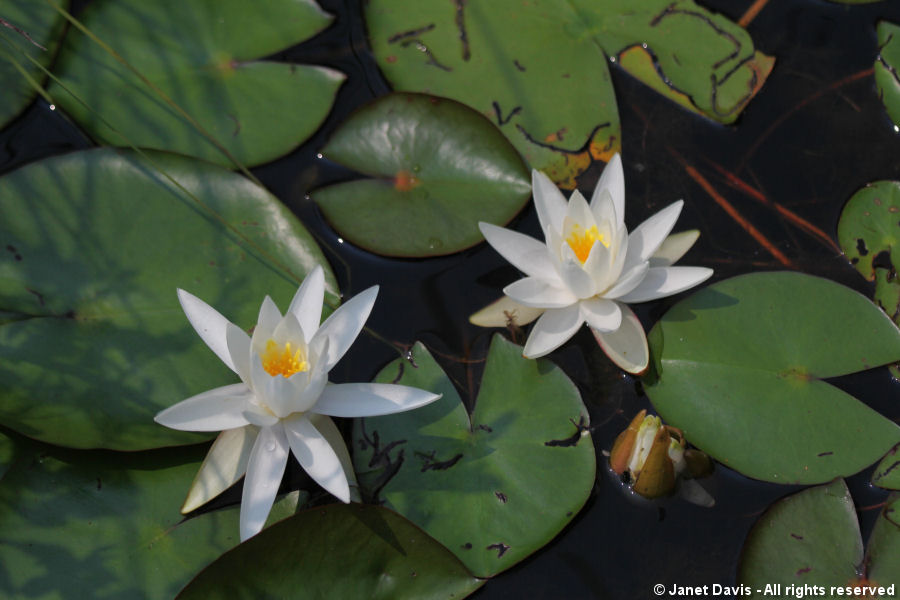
column 740, row 367
column 92, row 524
column 96, row 342
column 883, row 551
column 887, row 81
column 338, row 551
column 441, row 168
column 812, row 538
column 887, row 473
column 26, row 29
column 493, row 486
column 203, row 56
column 869, row 228
column 501, row 58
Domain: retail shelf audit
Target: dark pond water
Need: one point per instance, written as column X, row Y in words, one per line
column 815, row 134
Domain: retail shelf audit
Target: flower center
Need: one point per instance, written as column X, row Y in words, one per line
column 581, row 240
column 283, row 360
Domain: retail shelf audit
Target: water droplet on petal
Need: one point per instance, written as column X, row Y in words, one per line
column 270, row 447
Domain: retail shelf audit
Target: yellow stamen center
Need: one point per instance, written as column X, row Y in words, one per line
column 282, row 360
column 581, row 240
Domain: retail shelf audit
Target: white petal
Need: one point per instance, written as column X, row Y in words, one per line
column 274, row 391
column 307, row 302
column 613, row 180
column 552, row 330
column 265, row 469
column 578, row 212
column 601, row 314
column 548, row 200
column 523, row 252
column 258, row 417
column 308, row 395
column 578, row 281
column 627, row 345
column 649, row 235
column 289, row 330
column 334, row 438
column 317, row 457
column 239, row 348
column 268, row 320
column 531, row 291
column 628, row 281
column 344, row 324
column 674, row 247
column 370, row 399
column 666, row 281
column 214, row 410
column 505, row 312
column 209, row 324
column 225, row 463
column 597, row 267
column 604, row 211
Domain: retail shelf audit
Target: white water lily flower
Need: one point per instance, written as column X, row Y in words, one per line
column 284, row 401
column 590, row 267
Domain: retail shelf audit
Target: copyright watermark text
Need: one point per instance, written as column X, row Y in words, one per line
column 772, row 589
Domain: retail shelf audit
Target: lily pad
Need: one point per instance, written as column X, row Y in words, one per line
column 440, row 167
column 887, row 473
column 27, row 29
column 97, row 243
column 493, row 486
column 339, row 551
column 887, row 81
column 203, row 56
column 90, row 524
column 869, row 232
column 740, row 366
column 883, row 551
column 501, row 58
column 812, row 538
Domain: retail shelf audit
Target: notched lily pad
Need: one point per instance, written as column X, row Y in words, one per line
column 501, row 57
column 812, row 538
column 204, row 56
column 869, row 232
column 440, row 168
column 740, row 368
column 689, row 54
column 27, row 29
column 338, row 551
column 493, row 486
column 96, row 342
column 887, row 473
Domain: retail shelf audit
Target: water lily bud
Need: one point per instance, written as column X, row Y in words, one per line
column 622, row 448
column 654, row 456
column 656, row 476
